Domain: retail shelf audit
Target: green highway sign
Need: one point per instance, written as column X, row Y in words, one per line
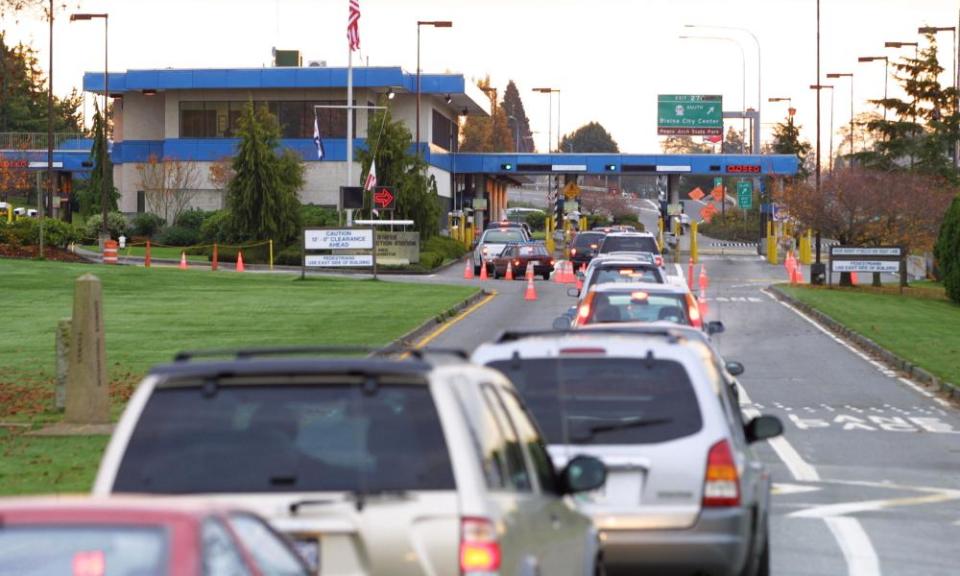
column 689, row 115
column 745, row 194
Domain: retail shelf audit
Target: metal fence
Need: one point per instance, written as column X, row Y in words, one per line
column 38, row 140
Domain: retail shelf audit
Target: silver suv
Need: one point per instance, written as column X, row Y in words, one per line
column 373, row 466
column 685, row 492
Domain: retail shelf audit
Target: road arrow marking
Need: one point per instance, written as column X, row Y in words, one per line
column 782, row 489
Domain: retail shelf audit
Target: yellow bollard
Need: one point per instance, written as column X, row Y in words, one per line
column 583, row 223
column 771, row 244
column 271, row 254
column 660, row 232
column 694, row 250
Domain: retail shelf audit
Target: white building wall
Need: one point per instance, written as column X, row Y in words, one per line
column 143, row 117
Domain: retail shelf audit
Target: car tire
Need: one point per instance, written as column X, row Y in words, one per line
column 546, row 276
column 476, row 270
column 599, row 568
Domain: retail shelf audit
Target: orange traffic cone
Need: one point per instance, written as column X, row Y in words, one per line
column 214, row 263
column 704, row 279
column 529, row 271
column 468, row 270
column 531, row 293
column 702, row 306
column 239, row 261
column 509, row 275
column 483, row 270
column 146, row 259
column 690, row 275
column 571, row 277
column 854, row 279
column 183, row 260
column 798, row 273
column 558, row 272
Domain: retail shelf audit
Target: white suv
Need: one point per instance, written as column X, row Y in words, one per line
column 685, row 493
column 372, row 466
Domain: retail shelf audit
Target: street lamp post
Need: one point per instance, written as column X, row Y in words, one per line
column 850, row 76
column 886, row 75
column 550, row 92
column 756, row 41
column 743, row 76
column 956, row 71
column 104, row 192
column 516, row 132
column 435, row 24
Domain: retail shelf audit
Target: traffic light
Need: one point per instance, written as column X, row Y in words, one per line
column 506, row 167
column 610, row 167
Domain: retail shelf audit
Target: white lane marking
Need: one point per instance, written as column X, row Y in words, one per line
column 652, row 204
column 857, row 550
column 783, row 489
column 846, row 508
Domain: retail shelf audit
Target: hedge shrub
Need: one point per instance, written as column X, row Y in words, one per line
column 947, row 251
column 537, row 221
column 430, row 260
column 146, row 224
column 178, row 236
column 446, row 247
column 116, row 225
column 192, row 219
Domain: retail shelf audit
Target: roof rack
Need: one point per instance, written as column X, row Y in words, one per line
column 671, row 333
column 370, row 351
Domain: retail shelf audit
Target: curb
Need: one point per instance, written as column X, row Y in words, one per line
column 409, row 339
column 923, row 377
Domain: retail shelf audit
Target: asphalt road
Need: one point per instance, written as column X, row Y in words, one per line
column 866, row 474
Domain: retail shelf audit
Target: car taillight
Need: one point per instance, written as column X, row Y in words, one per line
column 658, row 260
column 721, row 487
column 582, row 314
column 573, row 251
column 479, row 548
column 91, row 563
column 694, row 312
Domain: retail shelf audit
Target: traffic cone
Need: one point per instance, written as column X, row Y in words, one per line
column 146, row 259
column 690, row 275
column 558, row 272
column 702, row 305
column 239, row 261
column 183, row 260
column 529, row 271
column 704, row 279
column 854, row 279
column 214, row 262
column 798, row 273
column 531, row 293
column 571, row 277
column 509, row 275
column 483, row 270
column 468, row 270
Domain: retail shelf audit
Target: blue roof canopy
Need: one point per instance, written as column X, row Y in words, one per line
column 633, row 164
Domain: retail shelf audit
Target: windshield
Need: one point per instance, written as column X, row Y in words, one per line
column 637, row 306
column 626, row 274
column 629, row 244
column 503, row 236
column 283, row 438
column 585, row 239
column 54, row 550
column 606, row 400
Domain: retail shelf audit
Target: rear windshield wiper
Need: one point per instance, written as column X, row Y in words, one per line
column 623, row 424
column 358, row 497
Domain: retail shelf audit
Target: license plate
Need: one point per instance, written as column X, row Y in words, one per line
column 309, row 550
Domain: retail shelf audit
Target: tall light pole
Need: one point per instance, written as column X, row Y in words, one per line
column 104, row 192
column 550, row 92
column 816, row 276
column 818, row 88
column 743, row 77
column 886, row 75
column 956, row 71
column 420, row 23
column 516, row 131
column 756, row 42
column 850, row 76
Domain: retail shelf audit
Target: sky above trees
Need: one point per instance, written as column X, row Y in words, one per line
column 609, row 58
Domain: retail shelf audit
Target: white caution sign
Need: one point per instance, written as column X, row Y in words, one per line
column 339, row 261
column 891, row 266
column 338, row 239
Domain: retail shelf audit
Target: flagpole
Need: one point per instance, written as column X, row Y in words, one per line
column 349, row 128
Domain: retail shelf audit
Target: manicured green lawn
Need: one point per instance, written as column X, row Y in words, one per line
column 149, row 315
column 163, row 252
column 922, row 327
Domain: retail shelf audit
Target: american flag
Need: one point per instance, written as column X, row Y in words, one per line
column 353, row 29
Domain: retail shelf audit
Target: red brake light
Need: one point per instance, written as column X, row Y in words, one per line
column 573, row 251
column 516, row 262
column 721, row 487
column 639, row 296
column 90, row 563
column 658, row 260
column 693, row 310
column 479, row 548
column 589, row 351
column 593, row 246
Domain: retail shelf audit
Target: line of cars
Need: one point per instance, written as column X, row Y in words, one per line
column 611, row 448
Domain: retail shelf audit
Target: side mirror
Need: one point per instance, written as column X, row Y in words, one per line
column 763, row 428
column 715, row 327
column 561, row 323
column 583, row 474
column 665, row 250
column 573, row 292
column 735, row 368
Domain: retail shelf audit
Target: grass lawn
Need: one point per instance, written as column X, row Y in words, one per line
column 37, row 465
column 150, row 314
column 165, row 252
column 922, row 326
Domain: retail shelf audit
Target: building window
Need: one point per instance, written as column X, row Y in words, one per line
column 443, row 131
column 141, row 202
column 218, row 119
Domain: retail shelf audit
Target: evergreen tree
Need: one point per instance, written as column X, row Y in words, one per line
column 947, row 251
column 262, row 195
column 684, row 145
column 23, row 95
column 513, row 106
column 90, row 194
column 786, row 140
column 589, row 138
column 733, row 142
column 924, row 127
column 488, row 134
column 397, row 167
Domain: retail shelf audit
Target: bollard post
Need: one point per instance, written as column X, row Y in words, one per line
column 87, row 389
column 146, row 258
column 271, row 257
column 694, row 246
column 214, row 264
column 63, row 363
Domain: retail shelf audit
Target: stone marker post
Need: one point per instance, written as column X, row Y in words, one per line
column 88, row 397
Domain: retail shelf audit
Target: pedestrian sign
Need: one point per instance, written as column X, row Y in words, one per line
column 571, row 191
column 745, row 194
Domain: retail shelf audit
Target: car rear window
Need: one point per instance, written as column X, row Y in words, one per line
column 584, row 239
column 637, row 306
column 502, row 236
column 281, row 438
column 47, row 549
column 602, row 400
column 623, row 274
column 629, row 244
